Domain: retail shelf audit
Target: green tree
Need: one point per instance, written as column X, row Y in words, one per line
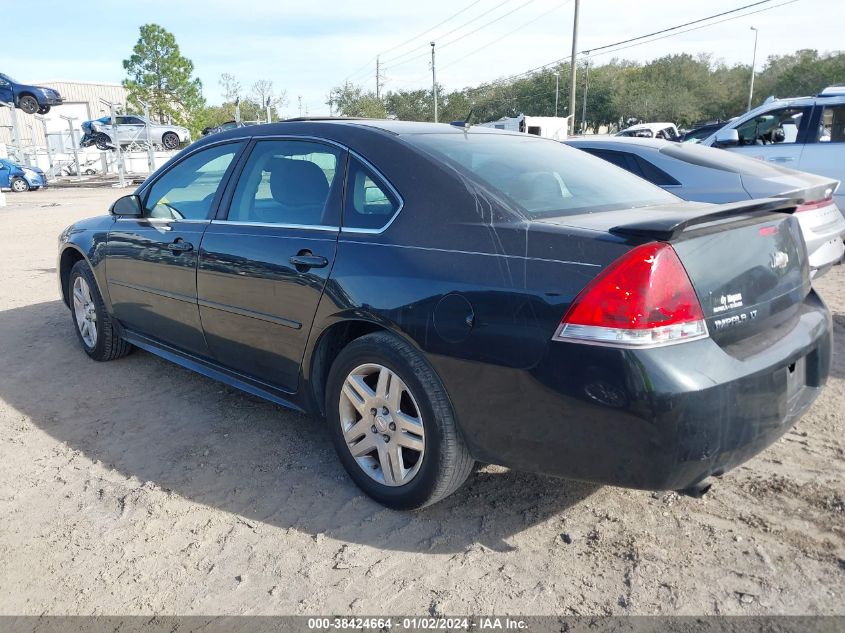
column 159, row 75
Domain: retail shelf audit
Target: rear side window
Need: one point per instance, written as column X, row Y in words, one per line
column 832, row 125
column 653, row 173
column 543, row 178
column 289, row 182
column 370, row 202
column 636, row 165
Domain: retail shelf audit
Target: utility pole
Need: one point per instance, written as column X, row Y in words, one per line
column 300, row 105
column 237, row 109
column 269, row 115
column 378, row 78
column 433, row 82
column 753, row 63
column 586, row 84
column 572, row 69
column 557, row 88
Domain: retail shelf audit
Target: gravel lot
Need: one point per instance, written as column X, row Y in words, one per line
column 137, row 487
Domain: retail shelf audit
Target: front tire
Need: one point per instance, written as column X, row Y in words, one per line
column 94, row 326
column 28, row 104
column 19, row 185
column 170, row 140
column 392, row 424
column 102, row 142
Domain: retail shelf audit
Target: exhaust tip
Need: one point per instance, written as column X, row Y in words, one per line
column 698, row 490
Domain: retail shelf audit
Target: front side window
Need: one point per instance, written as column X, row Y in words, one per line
column 186, row 192
column 289, row 182
column 543, row 178
column 369, row 202
column 832, row 125
column 773, row 127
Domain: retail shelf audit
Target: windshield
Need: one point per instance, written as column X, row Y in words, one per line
column 542, row 177
column 9, row 79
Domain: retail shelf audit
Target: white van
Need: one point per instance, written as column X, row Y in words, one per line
column 806, row 133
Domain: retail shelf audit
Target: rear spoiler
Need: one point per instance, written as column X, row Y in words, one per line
column 673, row 225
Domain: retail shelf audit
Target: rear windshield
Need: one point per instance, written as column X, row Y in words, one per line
column 544, row 178
column 724, row 160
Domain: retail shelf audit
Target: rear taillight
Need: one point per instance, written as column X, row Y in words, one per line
column 815, row 204
column 643, row 299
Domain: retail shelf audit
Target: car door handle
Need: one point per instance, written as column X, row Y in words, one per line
column 782, row 159
column 180, row 246
column 306, row 259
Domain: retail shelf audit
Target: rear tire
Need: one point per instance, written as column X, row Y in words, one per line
column 44, row 109
column 170, row 140
column 418, row 423
column 28, row 104
column 94, row 327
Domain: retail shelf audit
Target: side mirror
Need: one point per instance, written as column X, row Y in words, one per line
column 727, row 138
column 127, row 206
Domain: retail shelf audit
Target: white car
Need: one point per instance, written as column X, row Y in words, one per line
column 130, row 129
column 805, row 133
column 666, row 131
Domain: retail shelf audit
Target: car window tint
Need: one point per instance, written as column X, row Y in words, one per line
column 653, row 173
column 288, row 182
column 620, row 159
column 832, row 125
column 543, row 178
column 369, row 202
column 187, row 190
column 773, row 127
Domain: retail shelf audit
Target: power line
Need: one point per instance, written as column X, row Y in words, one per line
column 509, row 33
column 615, row 44
column 439, row 24
column 367, row 66
column 483, row 26
column 448, row 33
column 695, row 28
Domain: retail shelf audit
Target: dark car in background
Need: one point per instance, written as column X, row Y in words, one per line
column 228, row 125
column 30, row 99
column 701, row 132
column 443, row 295
column 705, row 174
column 20, row 178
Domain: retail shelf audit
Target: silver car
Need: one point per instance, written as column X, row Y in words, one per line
column 705, row 174
column 129, row 129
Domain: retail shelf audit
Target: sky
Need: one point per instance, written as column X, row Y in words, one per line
column 306, row 48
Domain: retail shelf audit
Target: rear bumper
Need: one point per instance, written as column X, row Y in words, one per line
column 658, row 419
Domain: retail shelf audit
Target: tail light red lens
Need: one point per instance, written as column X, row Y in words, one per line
column 815, row 204
column 643, row 299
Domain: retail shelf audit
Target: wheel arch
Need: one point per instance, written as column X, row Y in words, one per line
column 331, row 340
column 67, row 260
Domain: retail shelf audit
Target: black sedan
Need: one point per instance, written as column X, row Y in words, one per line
column 443, row 295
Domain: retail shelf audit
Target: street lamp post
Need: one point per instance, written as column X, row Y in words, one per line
column 753, row 63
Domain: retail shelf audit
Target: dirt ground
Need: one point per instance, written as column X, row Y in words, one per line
column 138, row 487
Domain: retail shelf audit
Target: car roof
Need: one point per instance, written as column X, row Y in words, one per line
column 339, row 128
column 606, row 141
column 656, row 125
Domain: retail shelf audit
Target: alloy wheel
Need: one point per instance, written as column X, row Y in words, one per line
column 85, row 311
column 382, row 424
column 19, row 185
